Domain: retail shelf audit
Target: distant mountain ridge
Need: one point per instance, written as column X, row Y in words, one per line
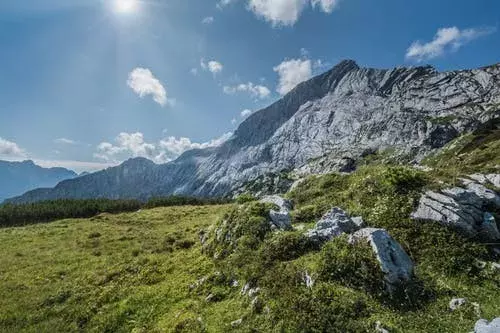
column 18, row 177
column 322, row 125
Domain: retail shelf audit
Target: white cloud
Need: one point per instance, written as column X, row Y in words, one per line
column 278, row 12
column 233, row 121
column 213, row 66
column 208, row 20
column 133, row 145
column 326, row 6
column 292, row 72
column 65, row 141
column 257, row 91
column 10, row 149
column 446, row 39
column 287, row 12
column 143, row 82
column 223, row 3
column 245, row 113
column 194, row 71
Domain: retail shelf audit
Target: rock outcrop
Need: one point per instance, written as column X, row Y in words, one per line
column 322, row 125
column 281, row 218
column 333, row 224
column 464, row 208
column 396, row 265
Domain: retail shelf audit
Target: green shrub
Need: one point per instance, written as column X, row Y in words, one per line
column 245, row 197
column 286, row 246
column 351, row 265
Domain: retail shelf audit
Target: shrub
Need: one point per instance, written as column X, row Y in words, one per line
column 351, row 265
column 244, row 198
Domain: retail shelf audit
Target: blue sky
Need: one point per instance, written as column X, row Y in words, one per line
column 88, row 83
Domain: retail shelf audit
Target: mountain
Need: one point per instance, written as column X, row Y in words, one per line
column 19, row 177
column 322, row 125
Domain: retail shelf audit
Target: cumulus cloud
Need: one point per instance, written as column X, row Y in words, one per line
column 208, row 20
column 287, row 12
column 292, row 72
column 133, row 145
column 10, row 149
column 245, row 113
column 212, row 66
column 144, row 83
column 446, row 39
column 257, row 91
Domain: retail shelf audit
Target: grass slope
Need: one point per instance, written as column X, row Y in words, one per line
column 112, row 273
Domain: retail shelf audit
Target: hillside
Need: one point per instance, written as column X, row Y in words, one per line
column 234, row 268
column 323, row 125
column 19, row 177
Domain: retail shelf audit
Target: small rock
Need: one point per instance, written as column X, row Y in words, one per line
column 308, row 280
column 358, row 220
column 236, row 323
column 333, row 224
column 379, row 328
column 281, row 218
column 456, row 303
column 483, row 326
column 209, row 298
column 394, row 262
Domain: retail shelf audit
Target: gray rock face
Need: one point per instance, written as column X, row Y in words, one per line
column 394, row 262
column 281, row 218
column 333, row 224
column 462, row 208
column 492, row 179
column 320, row 126
column 483, row 326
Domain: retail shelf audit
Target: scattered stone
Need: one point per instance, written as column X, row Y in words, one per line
column 395, row 263
column 333, row 224
column 379, row 328
column 308, row 280
column 483, row 326
column 210, row 298
column 358, row 221
column 456, row 303
column 281, row 218
column 253, row 291
column 236, row 323
column 235, row 283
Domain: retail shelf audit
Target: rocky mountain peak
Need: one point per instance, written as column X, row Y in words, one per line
column 324, row 124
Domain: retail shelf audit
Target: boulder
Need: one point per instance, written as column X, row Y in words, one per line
column 483, row 326
column 396, row 265
column 281, row 218
column 462, row 208
column 333, row 224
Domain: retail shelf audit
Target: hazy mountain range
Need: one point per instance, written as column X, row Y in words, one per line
column 19, row 177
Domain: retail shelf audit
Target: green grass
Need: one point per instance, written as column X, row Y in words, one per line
column 147, row 271
column 112, row 273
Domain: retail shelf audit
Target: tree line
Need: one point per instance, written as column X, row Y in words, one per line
column 47, row 211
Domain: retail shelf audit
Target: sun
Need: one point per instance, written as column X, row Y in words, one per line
column 125, row 6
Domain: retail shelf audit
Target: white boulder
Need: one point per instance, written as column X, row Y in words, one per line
column 396, row 265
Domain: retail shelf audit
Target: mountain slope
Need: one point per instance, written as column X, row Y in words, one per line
column 319, row 126
column 19, row 177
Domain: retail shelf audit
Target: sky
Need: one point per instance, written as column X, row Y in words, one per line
column 86, row 84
